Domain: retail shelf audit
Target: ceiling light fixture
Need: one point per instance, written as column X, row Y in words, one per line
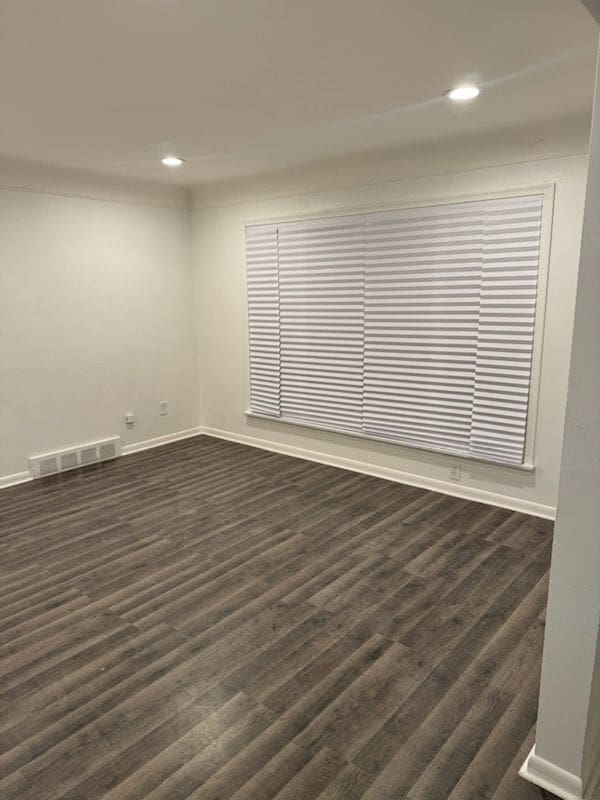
column 172, row 161
column 461, row 93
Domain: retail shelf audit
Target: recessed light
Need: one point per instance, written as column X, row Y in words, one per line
column 172, row 161
column 461, row 93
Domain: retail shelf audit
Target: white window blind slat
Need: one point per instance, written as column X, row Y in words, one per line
column 415, row 326
column 321, row 276
column 512, row 339
column 432, row 278
column 263, row 318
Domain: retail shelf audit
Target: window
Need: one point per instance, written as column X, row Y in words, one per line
column 413, row 326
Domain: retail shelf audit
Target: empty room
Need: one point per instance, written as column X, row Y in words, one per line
column 299, row 400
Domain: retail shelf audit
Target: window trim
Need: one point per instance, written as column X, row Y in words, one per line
column 547, row 191
column 524, row 467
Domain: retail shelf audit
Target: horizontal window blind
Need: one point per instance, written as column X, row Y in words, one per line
column 415, row 326
column 422, row 299
column 321, row 296
column 263, row 319
column 510, row 259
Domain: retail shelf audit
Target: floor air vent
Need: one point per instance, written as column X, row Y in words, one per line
column 74, row 457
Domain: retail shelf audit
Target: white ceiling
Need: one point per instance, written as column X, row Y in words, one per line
column 239, row 87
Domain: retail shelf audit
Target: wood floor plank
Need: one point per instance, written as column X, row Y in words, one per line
column 212, row 621
column 270, row 779
column 313, row 778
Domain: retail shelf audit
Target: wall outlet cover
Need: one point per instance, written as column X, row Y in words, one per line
column 455, row 472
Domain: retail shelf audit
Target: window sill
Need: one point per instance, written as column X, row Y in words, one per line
column 525, row 467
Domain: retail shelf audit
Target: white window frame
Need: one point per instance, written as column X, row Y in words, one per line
column 547, row 191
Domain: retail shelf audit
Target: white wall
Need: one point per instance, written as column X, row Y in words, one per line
column 567, row 748
column 96, row 318
column 219, row 264
column 97, row 306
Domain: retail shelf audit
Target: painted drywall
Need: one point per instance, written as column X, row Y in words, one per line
column 43, row 178
column 502, row 146
column 593, row 7
column 96, row 318
column 568, row 730
column 219, row 264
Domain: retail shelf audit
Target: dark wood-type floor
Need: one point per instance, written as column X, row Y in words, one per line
column 211, row 621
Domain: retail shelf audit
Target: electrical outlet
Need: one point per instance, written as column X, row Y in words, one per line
column 130, row 419
column 455, row 471
column 164, row 408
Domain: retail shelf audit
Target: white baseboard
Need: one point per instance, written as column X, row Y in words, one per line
column 147, row 444
column 591, row 786
column 445, row 487
column 553, row 779
column 14, row 479
column 137, row 447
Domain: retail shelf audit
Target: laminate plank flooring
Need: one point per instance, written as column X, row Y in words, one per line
column 211, row 621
